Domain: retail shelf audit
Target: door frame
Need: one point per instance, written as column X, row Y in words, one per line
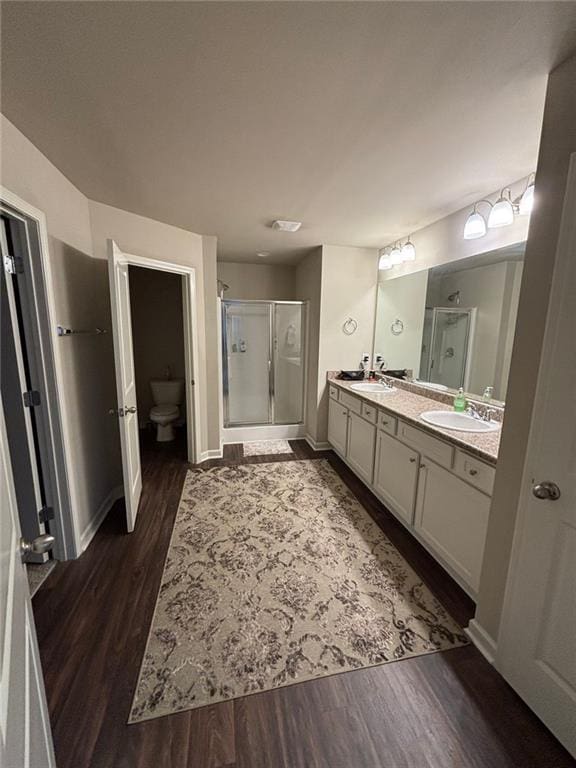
column 189, row 301
column 50, row 367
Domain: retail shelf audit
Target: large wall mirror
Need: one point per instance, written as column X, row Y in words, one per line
column 453, row 325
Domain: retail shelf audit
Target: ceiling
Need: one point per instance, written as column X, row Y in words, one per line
column 365, row 121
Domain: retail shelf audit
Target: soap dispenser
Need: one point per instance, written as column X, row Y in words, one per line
column 460, row 401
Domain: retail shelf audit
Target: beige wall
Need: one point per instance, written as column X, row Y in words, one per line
column 258, row 281
column 145, row 237
column 403, row 299
column 157, row 332
column 78, row 229
column 557, row 143
column 82, row 301
column 349, row 279
column 308, row 288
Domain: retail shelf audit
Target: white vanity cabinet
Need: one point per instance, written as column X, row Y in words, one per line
column 360, row 447
column 337, row 426
column 352, row 434
column 452, row 518
column 396, row 475
column 439, row 491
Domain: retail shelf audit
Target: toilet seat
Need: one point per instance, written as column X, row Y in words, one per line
column 165, row 411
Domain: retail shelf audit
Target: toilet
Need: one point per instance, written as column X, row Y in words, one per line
column 167, row 396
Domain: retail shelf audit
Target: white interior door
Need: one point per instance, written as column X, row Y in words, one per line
column 25, row 737
column 125, row 380
column 537, row 642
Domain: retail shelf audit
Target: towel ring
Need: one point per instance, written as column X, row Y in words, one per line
column 350, row 326
column 397, row 327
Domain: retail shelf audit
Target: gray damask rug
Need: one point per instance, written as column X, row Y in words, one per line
column 276, row 574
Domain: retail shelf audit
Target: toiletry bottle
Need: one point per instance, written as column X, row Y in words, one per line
column 460, row 401
column 487, row 396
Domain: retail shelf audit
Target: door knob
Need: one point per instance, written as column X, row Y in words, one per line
column 39, row 546
column 546, row 490
column 130, row 409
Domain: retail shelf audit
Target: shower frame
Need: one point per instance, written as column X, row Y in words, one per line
column 272, row 345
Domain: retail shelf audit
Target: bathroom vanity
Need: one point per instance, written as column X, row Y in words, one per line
column 437, row 482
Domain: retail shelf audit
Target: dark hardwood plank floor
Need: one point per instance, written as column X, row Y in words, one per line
column 449, row 709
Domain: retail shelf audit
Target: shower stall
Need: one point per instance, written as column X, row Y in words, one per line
column 263, row 350
column 447, row 344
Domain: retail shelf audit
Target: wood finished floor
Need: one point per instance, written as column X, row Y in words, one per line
column 444, row 710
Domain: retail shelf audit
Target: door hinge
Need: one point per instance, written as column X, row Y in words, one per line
column 45, row 514
column 31, row 398
column 13, row 264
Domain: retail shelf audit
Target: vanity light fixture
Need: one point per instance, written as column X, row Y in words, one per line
column 384, row 261
column 396, row 255
column 527, row 200
column 408, row 251
column 502, row 213
column 475, row 225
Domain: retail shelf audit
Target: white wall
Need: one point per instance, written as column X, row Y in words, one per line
column 403, row 299
column 349, row 278
column 157, row 332
column 258, row 281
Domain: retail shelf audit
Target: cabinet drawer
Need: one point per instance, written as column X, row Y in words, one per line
column 475, row 471
column 351, row 402
column 369, row 412
column 387, row 423
column 333, row 391
column 441, row 452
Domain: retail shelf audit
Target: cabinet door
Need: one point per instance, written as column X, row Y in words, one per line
column 396, row 475
column 337, row 426
column 360, row 453
column 452, row 518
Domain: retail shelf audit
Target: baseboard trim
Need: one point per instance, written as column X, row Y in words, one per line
column 482, row 640
column 90, row 531
column 214, row 453
column 323, row 446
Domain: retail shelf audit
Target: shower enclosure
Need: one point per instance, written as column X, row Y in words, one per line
column 263, row 349
column 447, row 346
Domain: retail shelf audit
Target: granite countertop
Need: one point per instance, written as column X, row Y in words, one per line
column 408, row 406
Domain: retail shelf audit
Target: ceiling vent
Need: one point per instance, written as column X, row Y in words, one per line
column 287, row 226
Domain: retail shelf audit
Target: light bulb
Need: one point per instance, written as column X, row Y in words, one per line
column 502, row 213
column 384, row 262
column 475, row 226
column 408, row 251
column 395, row 256
column 527, row 201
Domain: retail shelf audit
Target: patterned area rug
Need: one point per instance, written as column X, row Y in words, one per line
column 276, row 574
column 266, row 447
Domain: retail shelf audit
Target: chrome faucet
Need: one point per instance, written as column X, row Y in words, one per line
column 484, row 415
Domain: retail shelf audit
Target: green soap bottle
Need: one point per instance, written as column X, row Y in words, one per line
column 460, row 401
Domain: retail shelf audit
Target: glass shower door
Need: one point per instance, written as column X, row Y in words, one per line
column 248, row 359
column 288, row 363
column 451, row 336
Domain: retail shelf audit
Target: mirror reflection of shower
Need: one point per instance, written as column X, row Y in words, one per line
column 447, row 343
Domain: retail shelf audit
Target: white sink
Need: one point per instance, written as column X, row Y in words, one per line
column 370, row 387
column 461, row 422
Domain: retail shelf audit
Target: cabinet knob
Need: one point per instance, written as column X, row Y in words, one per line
column 422, row 466
column 412, row 460
column 473, row 472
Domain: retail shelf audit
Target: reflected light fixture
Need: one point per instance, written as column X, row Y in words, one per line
column 408, row 251
column 527, row 200
column 475, row 225
column 396, row 255
column 502, row 213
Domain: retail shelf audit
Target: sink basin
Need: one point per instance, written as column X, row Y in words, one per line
column 460, row 422
column 366, row 386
